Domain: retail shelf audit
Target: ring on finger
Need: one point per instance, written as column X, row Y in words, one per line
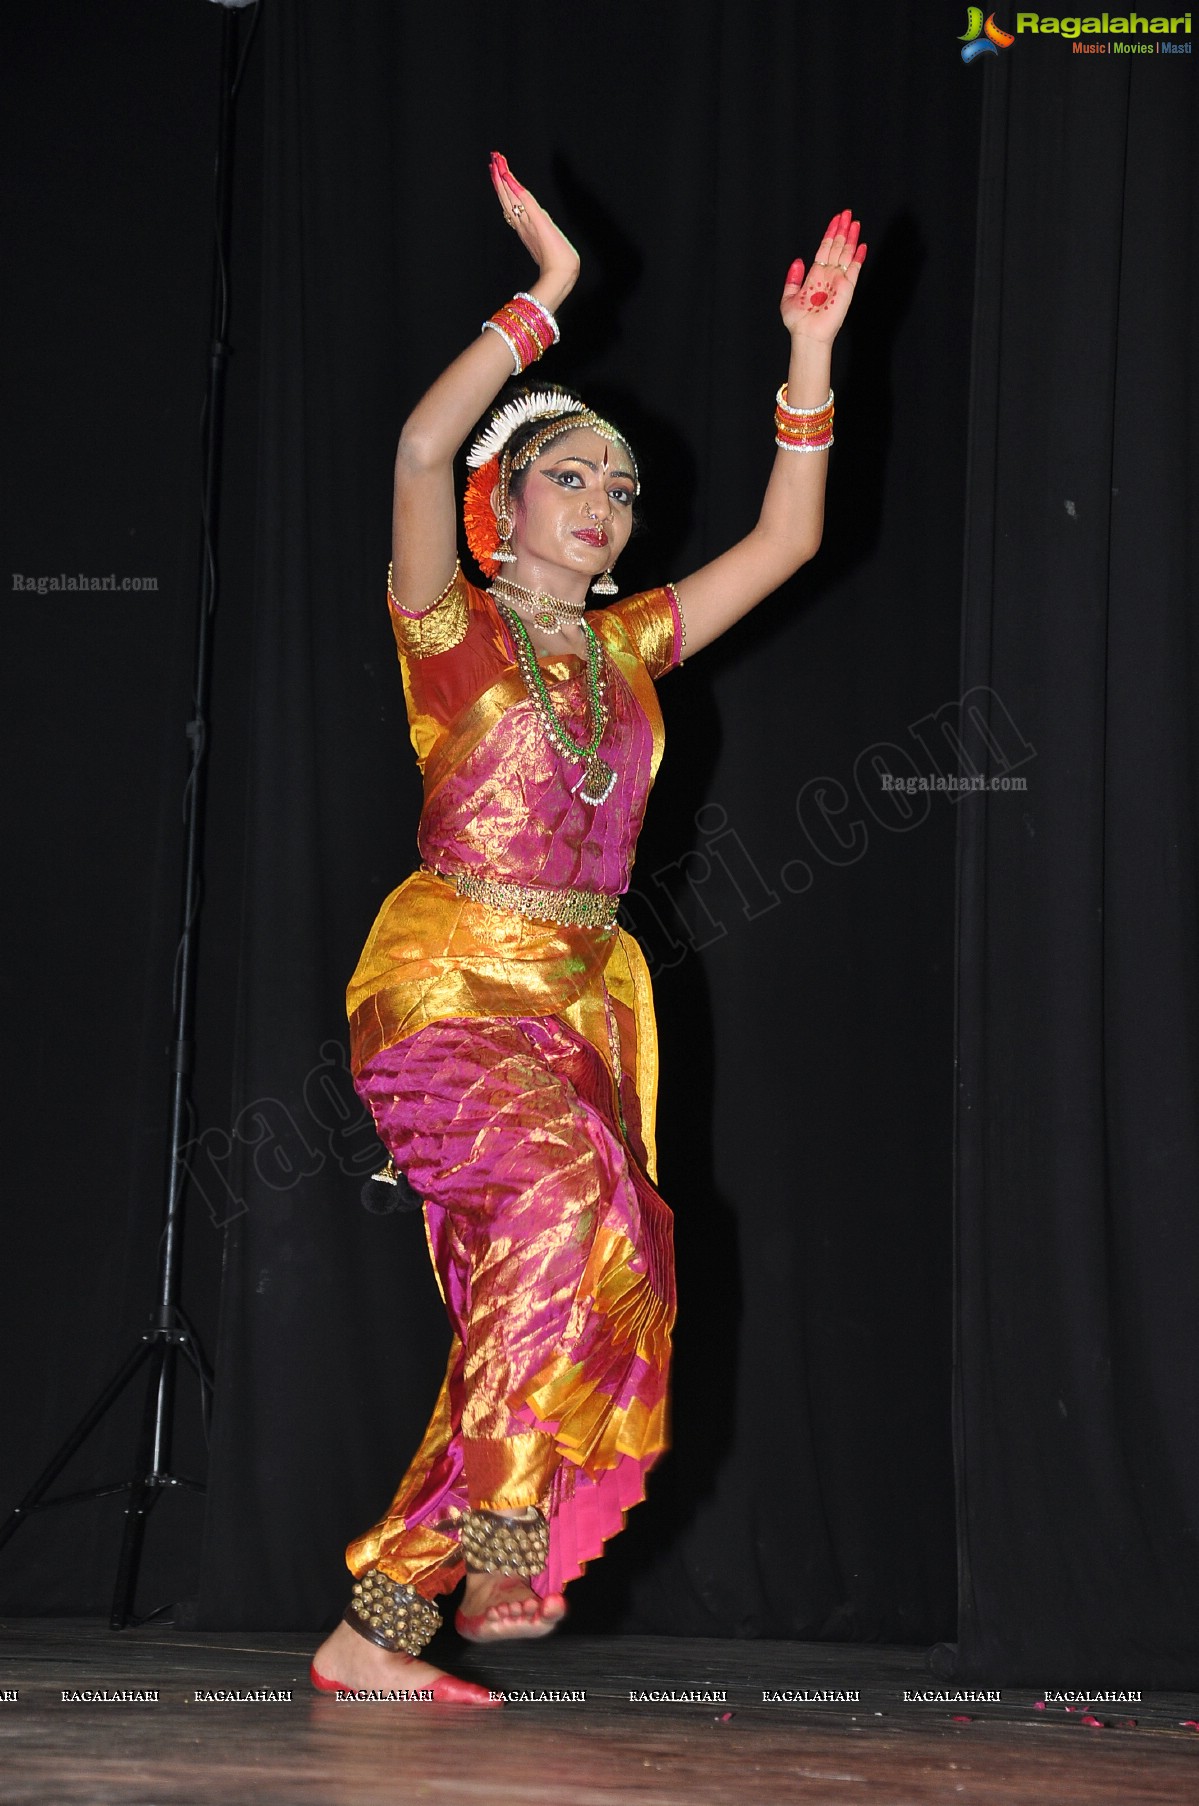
column 518, row 208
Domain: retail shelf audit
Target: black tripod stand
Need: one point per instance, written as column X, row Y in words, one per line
column 169, row 1337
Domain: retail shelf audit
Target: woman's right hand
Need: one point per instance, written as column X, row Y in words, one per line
column 556, row 258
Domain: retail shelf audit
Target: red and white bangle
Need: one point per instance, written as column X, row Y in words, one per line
column 543, row 310
column 802, row 429
column 526, row 327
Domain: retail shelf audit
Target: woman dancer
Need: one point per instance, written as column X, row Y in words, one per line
column 501, row 1021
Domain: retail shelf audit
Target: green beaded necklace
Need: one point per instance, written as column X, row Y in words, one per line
column 598, row 776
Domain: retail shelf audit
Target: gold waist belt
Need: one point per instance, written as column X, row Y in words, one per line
column 576, row 908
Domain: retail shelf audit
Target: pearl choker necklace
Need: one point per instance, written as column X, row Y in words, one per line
column 549, row 612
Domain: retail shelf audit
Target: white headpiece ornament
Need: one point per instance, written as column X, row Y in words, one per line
column 515, row 414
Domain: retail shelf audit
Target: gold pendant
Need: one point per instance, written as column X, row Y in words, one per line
column 598, row 779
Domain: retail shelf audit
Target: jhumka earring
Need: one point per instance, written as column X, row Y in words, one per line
column 503, row 553
column 605, row 584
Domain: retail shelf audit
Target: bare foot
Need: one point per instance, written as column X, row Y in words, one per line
column 351, row 1662
column 498, row 1606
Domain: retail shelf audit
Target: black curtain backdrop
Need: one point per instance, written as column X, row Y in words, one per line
column 799, row 917
column 109, row 132
column 799, row 922
column 1078, row 1010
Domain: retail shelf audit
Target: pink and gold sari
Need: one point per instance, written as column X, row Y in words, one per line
column 510, row 1065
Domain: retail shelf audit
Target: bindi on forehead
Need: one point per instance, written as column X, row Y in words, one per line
column 601, row 465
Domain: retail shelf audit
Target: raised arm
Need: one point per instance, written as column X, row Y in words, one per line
column 791, row 521
column 424, row 515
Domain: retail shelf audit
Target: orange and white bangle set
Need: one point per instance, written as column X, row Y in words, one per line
column 526, row 327
column 802, row 429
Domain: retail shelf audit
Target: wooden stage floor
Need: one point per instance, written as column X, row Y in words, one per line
column 311, row 1750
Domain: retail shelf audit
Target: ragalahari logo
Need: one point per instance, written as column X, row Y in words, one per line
column 983, row 39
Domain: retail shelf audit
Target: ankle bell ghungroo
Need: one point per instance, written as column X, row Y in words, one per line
column 492, row 1544
column 389, row 1614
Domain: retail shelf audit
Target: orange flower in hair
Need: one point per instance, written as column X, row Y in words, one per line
column 478, row 515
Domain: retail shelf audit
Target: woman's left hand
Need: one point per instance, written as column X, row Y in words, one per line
column 815, row 308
